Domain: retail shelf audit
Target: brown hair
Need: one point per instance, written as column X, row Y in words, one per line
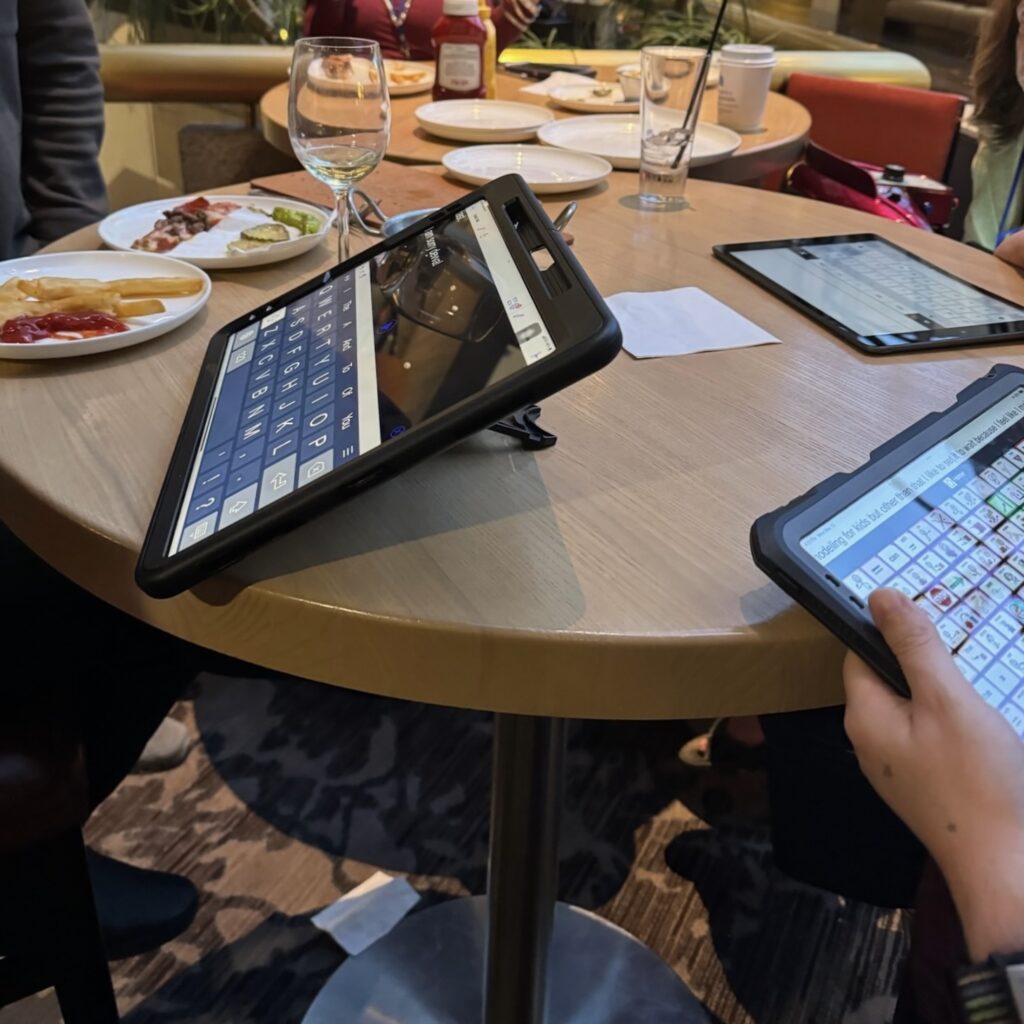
column 997, row 93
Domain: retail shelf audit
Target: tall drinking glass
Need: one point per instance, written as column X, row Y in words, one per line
column 339, row 115
column 670, row 77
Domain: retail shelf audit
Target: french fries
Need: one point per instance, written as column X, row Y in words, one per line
column 124, row 297
column 157, row 287
column 139, row 307
column 46, row 288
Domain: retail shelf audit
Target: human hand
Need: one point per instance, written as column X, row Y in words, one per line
column 1011, row 249
column 950, row 766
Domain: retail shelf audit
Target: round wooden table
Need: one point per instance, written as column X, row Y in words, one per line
column 787, row 124
column 608, row 576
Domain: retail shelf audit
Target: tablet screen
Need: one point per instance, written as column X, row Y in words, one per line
column 878, row 290
column 948, row 530
column 355, row 362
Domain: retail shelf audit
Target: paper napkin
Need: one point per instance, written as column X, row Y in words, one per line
column 368, row 912
column 555, row 79
column 681, row 321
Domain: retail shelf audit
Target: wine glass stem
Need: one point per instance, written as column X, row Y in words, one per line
column 341, row 196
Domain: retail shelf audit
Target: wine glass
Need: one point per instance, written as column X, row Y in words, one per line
column 339, row 115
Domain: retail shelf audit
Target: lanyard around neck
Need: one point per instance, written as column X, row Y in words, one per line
column 398, row 19
column 1014, row 187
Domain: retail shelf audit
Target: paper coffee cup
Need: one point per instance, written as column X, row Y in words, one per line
column 629, row 79
column 745, row 76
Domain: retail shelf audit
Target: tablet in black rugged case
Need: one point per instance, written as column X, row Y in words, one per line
column 416, row 343
column 937, row 512
column 875, row 295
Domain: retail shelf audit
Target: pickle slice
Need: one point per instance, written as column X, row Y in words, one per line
column 245, row 245
column 266, row 233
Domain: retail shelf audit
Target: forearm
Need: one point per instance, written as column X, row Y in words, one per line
column 987, row 886
column 62, row 120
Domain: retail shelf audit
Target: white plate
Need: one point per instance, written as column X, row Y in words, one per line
column 210, row 249
column 546, row 171
column 483, row 120
column 422, row 69
column 106, row 266
column 362, row 73
column 616, row 137
column 582, row 99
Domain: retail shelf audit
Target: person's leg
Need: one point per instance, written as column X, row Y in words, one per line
column 829, row 827
column 120, row 678
column 123, row 676
column 127, row 694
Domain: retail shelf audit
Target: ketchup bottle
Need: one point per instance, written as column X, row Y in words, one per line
column 460, row 40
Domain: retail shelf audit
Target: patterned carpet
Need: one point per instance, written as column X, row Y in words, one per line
column 296, row 792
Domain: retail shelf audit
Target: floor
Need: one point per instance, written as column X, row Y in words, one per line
column 296, row 792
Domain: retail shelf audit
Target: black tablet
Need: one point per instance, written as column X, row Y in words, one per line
column 875, row 295
column 416, row 343
column 937, row 513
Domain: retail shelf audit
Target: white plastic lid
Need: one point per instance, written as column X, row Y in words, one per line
column 746, row 53
column 461, row 8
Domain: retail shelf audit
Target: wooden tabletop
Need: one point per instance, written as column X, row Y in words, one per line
column 608, row 576
column 776, row 148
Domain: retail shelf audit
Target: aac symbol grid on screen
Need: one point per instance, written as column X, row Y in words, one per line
column 963, row 564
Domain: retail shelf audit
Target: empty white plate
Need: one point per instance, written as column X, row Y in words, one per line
column 546, row 171
column 483, row 120
column 107, row 266
column 616, row 137
column 599, row 98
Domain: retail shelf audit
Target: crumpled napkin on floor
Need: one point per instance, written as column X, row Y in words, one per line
column 681, row 321
column 367, row 912
column 555, row 79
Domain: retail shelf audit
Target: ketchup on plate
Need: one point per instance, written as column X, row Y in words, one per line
column 24, row 330
column 460, row 40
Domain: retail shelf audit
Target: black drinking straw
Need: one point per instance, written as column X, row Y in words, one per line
column 690, row 120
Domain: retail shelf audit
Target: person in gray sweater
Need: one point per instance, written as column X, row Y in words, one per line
column 51, row 127
column 51, row 123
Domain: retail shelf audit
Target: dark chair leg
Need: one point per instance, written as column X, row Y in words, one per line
column 82, row 978
column 59, row 929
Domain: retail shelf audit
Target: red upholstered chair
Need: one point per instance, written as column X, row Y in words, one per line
column 881, row 124
column 49, row 932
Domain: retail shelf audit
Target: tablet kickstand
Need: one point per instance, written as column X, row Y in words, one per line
column 523, row 426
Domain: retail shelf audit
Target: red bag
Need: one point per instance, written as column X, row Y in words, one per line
column 885, row 192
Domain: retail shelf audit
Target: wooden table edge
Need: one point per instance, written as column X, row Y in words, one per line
column 600, row 676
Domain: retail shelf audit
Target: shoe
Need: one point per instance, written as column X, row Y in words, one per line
column 167, row 748
column 139, row 910
column 717, row 749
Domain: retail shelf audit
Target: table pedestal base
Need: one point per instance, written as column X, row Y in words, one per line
column 430, row 970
